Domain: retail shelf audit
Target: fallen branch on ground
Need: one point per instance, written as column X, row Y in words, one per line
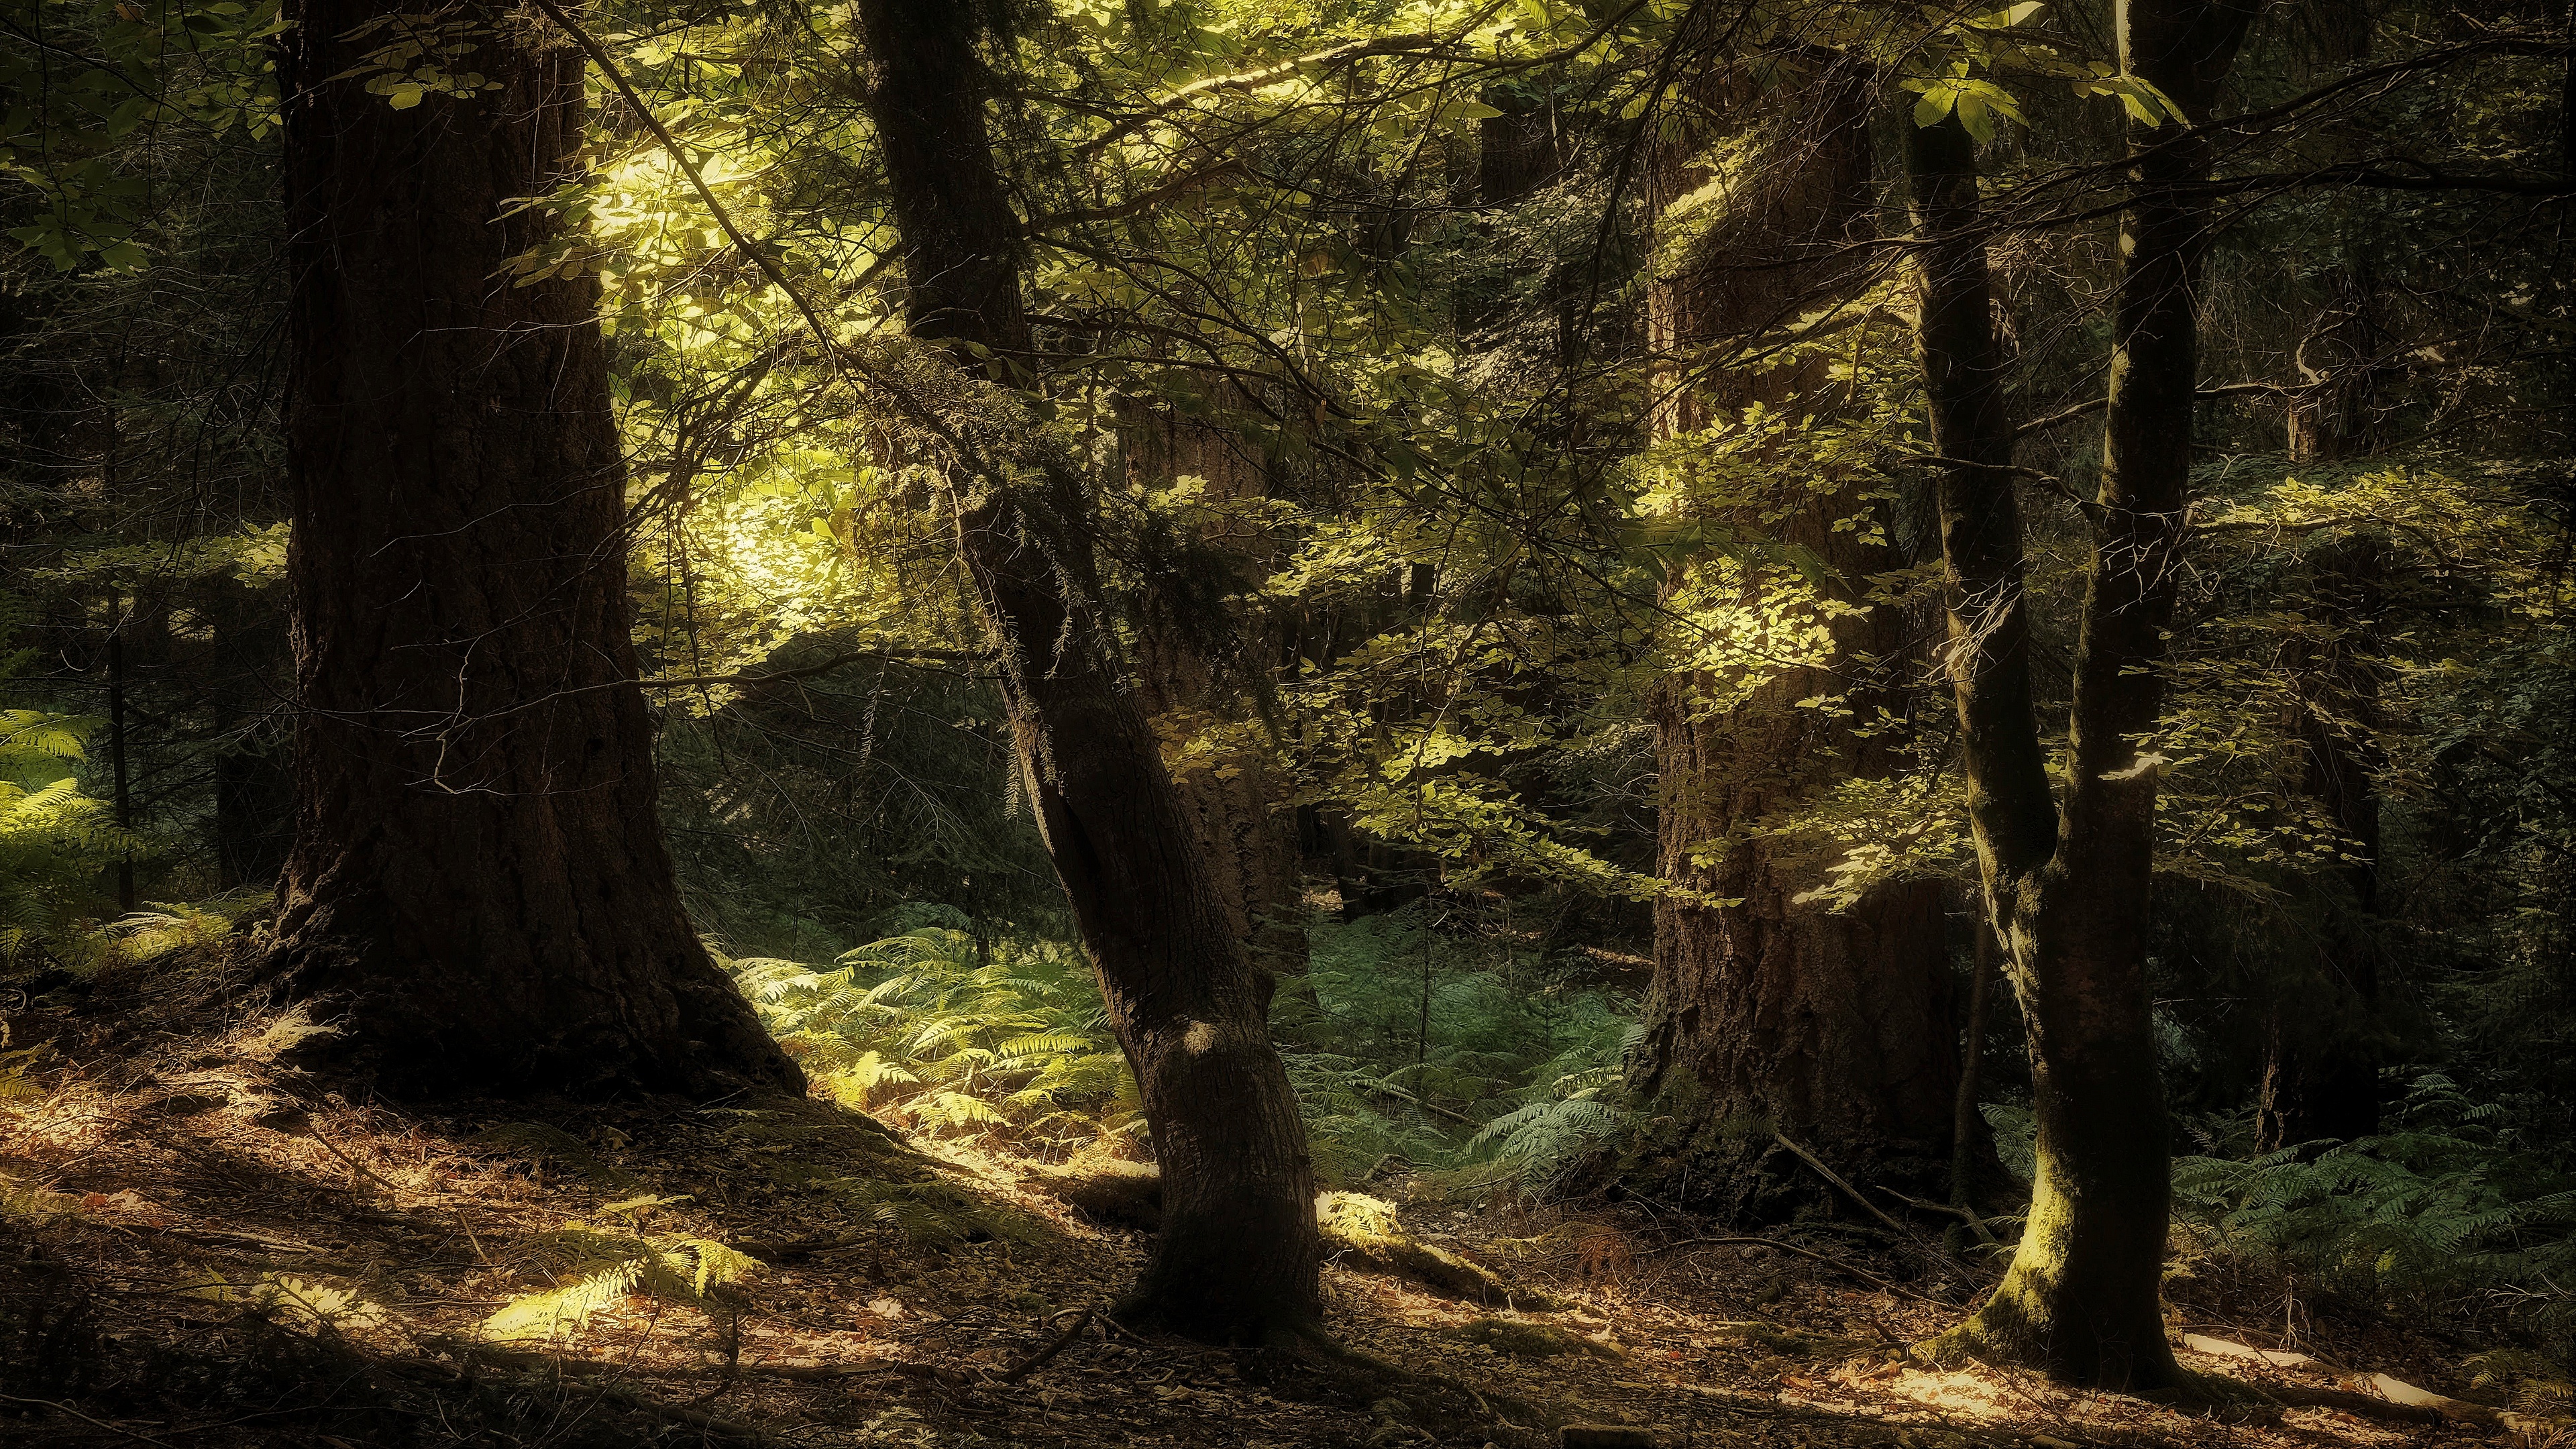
column 1829, row 1261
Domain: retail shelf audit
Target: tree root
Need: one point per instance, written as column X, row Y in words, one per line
column 1442, row 1405
column 1363, row 1232
column 1127, row 1194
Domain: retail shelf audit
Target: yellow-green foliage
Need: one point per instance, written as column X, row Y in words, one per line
column 299, row 1302
column 54, row 838
column 933, row 1214
column 918, row 1029
column 14, row 1067
column 594, row 1267
column 27, row 1202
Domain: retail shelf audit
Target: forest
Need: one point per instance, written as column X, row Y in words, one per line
column 1804, row 724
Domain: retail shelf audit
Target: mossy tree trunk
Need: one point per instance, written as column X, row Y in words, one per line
column 478, row 893
column 1239, row 1255
column 2068, row 882
column 1774, row 1012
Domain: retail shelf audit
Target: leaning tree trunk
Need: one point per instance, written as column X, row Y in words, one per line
column 1772, row 1013
column 478, row 895
column 2068, row 885
column 1239, row 1255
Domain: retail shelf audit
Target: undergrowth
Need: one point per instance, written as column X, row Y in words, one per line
column 1008, row 1042
column 2449, row 1204
column 1493, row 1068
column 1470, row 1059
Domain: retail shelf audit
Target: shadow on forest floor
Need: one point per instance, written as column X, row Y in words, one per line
column 197, row 1248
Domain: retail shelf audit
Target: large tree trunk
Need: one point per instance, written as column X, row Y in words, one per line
column 1239, row 1255
column 1833, row 1027
column 478, row 895
column 2069, row 885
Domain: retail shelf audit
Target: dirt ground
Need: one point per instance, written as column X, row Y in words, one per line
column 201, row 1248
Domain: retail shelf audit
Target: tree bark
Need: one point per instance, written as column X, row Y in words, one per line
column 1229, row 795
column 478, row 896
column 2068, row 884
column 1239, row 1254
column 1834, row 1027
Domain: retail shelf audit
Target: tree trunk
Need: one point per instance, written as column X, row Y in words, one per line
column 2322, row 1034
column 2069, row 885
column 478, row 894
column 1229, row 794
column 2323, row 1039
column 1239, row 1255
column 1833, row 1027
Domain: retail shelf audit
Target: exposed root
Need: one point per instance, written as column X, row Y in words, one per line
column 1365, row 1233
column 1126, row 1194
column 1531, row 1340
column 1445, row 1407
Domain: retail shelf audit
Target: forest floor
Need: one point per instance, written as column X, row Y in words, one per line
column 201, row 1248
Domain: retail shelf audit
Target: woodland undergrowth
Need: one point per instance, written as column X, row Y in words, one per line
column 1460, row 1076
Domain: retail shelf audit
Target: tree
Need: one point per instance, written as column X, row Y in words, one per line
column 1239, row 1254
column 478, row 895
column 1202, row 664
column 2068, row 881
column 1770, row 1008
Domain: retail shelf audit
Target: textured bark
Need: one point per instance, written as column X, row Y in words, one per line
column 1231, row 796
column 1834, row 1027
column 2069, row 884
column 478, row 893
column 1239, row 1256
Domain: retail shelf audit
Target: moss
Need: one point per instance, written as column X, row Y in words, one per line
column 1531, row 1340
column 1364, row 1233
column 1129, row 1194
column 1789, row 1342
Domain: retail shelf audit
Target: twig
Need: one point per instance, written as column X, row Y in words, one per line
column 1829, row 1261
column 354, row 1165
column 136, row 1435
column 910, row 657
column 1385, row 1089
column 1039, row 1359
column 1818, row 1163
column 1965, row 1214
column 2095, row 405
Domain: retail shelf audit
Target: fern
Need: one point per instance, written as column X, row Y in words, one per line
column 553, row 1144
column 932, row 1214
column 300, row 1302
column 605, row 1267
column 1530, row 1059
column 25, row 1202
column 922, row 1029
column 54, row 839
column 2446, row 1204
